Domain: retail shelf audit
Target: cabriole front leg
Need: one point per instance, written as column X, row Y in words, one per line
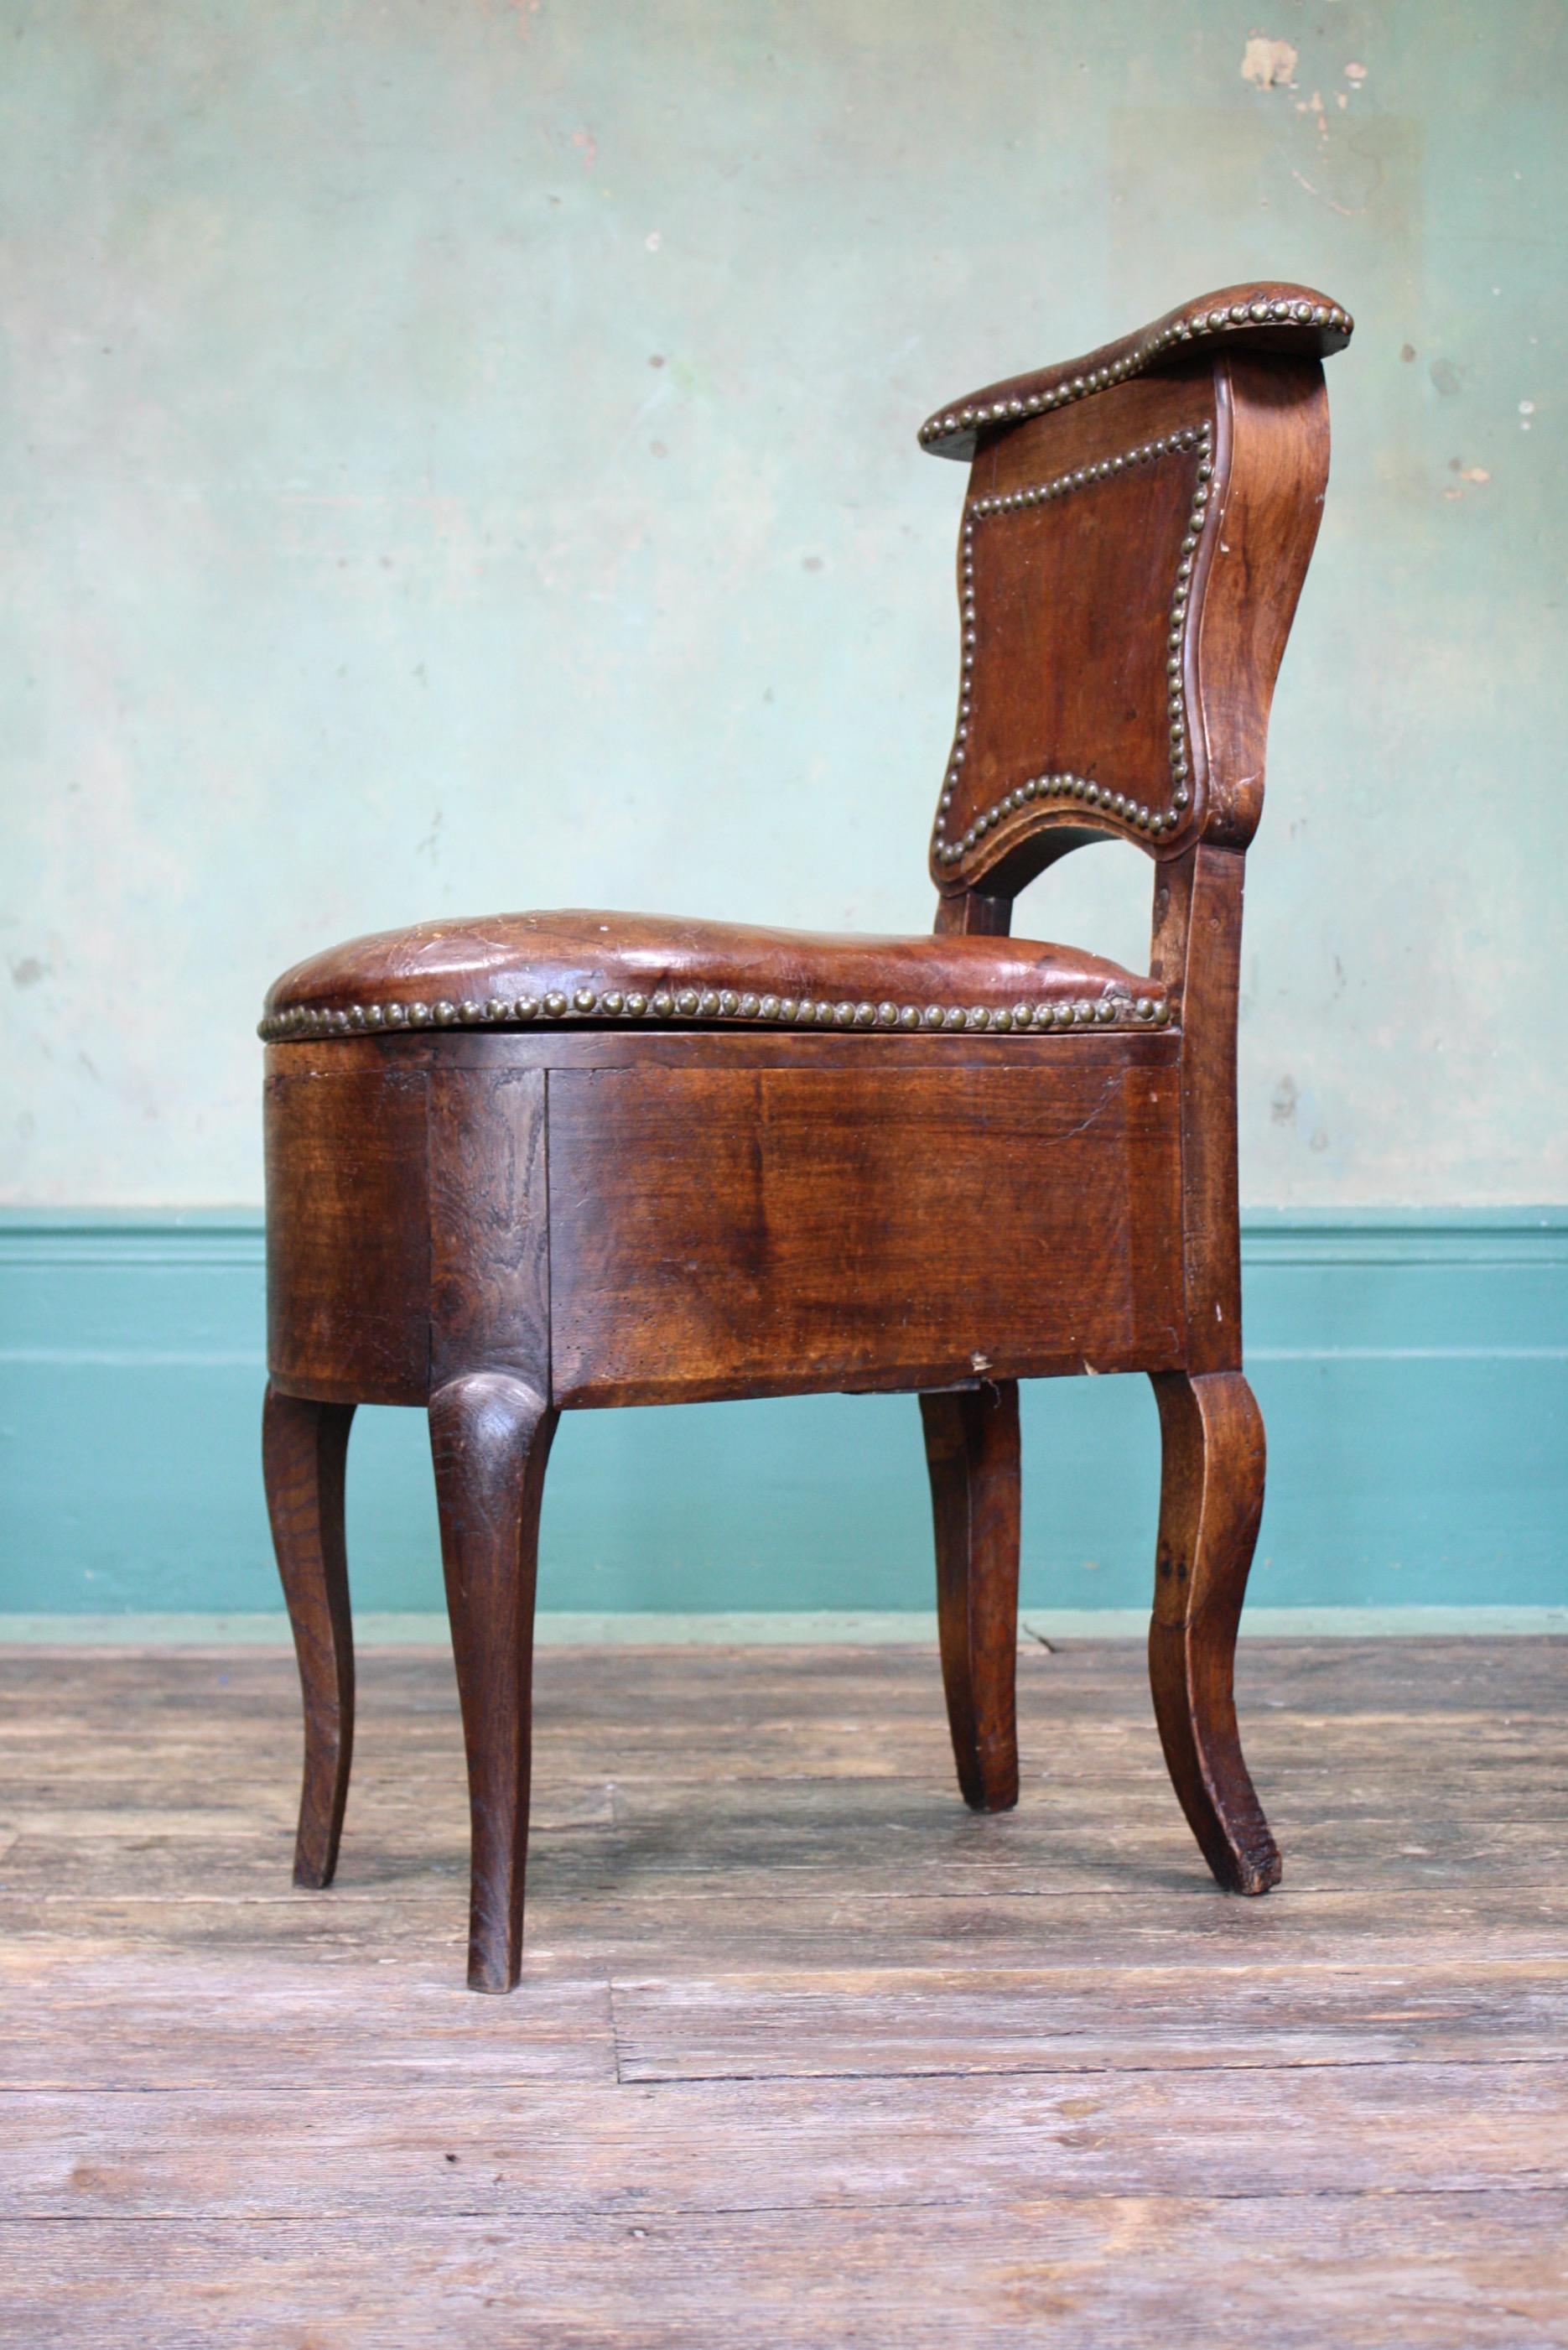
column 490, row 1436
column 1211, row 1498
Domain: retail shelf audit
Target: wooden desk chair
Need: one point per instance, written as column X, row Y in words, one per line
column 545, row 1162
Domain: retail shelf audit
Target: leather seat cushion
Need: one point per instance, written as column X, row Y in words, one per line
column 518, row 970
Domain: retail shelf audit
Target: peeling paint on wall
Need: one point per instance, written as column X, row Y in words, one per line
column 1269, row 65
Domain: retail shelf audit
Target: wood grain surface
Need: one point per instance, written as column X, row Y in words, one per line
column 807, row 2052
column 742, row 1231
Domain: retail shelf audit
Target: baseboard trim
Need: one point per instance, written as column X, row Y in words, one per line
column 833, row 1628
column 1412, row 1368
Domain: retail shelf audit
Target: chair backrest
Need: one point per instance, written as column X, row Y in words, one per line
column 1136, row 533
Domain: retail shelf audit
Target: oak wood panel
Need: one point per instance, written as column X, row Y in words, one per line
column 753, row 1234
column 347, row 1239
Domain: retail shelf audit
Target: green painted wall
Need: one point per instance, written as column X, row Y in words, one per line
column 463, row 455
column 1414, row 1374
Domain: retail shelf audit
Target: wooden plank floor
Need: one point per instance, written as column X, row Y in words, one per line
column 803, row 2054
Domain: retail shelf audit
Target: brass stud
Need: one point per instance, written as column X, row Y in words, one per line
column 662, row 1005
column 527, row 1007
column 1180, row 329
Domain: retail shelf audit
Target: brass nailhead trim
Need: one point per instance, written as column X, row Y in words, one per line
column 939, row 428
column 302, row 1022
column 1156, row 822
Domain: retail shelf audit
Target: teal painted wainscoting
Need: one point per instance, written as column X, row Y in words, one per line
column 1413, row 1371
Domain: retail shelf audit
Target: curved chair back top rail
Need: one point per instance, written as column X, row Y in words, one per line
column 1263, row 317
column 1136, row 533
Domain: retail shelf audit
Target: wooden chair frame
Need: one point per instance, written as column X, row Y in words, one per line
column 499, row 1221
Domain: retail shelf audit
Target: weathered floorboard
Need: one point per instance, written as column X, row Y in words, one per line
column 1085, row 2273
column 803, row 2052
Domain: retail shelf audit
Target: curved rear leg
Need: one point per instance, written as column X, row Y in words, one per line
column 1211, row 1498
column 971, row 1454
column 305, row 1447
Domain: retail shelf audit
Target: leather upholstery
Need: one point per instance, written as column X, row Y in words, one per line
column 516, row 969
column 1273, row 316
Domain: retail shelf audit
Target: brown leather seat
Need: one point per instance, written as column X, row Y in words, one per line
column 581, row 966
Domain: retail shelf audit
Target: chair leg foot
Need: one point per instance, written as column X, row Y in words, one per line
column 971, row 1455
column 305, row 1447
column 1212, row 1498
column 489, row 1438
